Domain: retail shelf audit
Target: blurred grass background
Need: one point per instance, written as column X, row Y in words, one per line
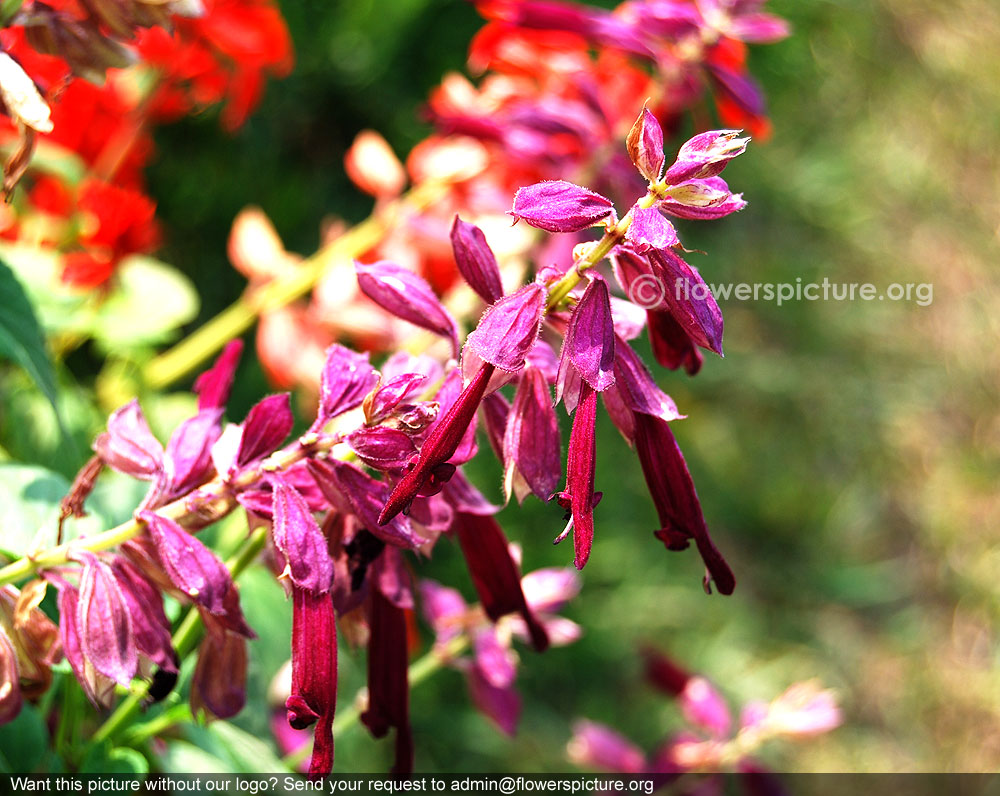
column 846, row 453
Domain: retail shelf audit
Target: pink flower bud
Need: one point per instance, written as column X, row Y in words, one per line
column 650, row 230
column 645, row 146
column 532, row 456
column 706, row 155
column 598, row 746
column 104, row 624
column 509, row 328
column 267, row 425
column 475, row 260
column 128, row 445
column 560, row 206
column 214, row 385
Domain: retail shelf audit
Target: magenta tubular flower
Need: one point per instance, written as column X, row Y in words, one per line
column 475, row 260
column 494, row 573
column 218, row 684
column 431, row 467
column 673, row 347
column 313, row 697
column 675, row 498
column 214, row 385
column 586, row 367
column 406, row 295
column 388, row 687
column 560, row 206
column 690, row 301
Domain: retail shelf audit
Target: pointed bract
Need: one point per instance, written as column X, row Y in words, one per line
column 560, row 206
column 532, row 460
column 589, row 345
column 214, row 385
column 189, row 451
column 475, row 260
column 128, row 445
column 650, row 230
column 408, row 296
column 347, row 378
column 637, row 387
column 645, row 146
column 192, row 568
column 104, row 623
column 509, row 328
column 300, row 540
column 690, row 300
column 706, row 155
column 267, row 425
column 672, row 346
column 382, row 448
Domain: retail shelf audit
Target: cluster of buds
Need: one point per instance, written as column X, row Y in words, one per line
column 709, row 743
column 558, row 89
column 378, row 474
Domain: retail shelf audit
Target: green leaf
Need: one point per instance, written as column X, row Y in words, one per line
column 21, row 338
column 103, row 759
column 181, row 757
column 248, row 752
column 151, row 301
column 24, row 741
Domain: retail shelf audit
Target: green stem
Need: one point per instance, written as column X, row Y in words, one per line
column 419, row 670
column 184, row 639
column 611, row 238
column 233, row 321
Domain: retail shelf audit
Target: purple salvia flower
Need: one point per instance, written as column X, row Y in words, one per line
column 150, row 625
column 758, row 28
column 218, row 684
column 300, row 540
column 706, row 155
column 675, row 498
column 313, row 697
column 672, row 346
column 431, row 467
column 350, row 490
column 382, row 448
column 560, row 206
column 388, row 688
column 589, row 346
column 532, row 460
column 494, row 572
column 690, row 301
column 645, row 146
column 579, row 497
column 347, row 378
column 104, row 624
column 128, row 445
column 194, row 569
column 475, row 260
column 189, row 451
column 214, row 385
column 650, row 230
column 267, row 425
column 598, row 746
column 506, row 332
column 408, row 296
